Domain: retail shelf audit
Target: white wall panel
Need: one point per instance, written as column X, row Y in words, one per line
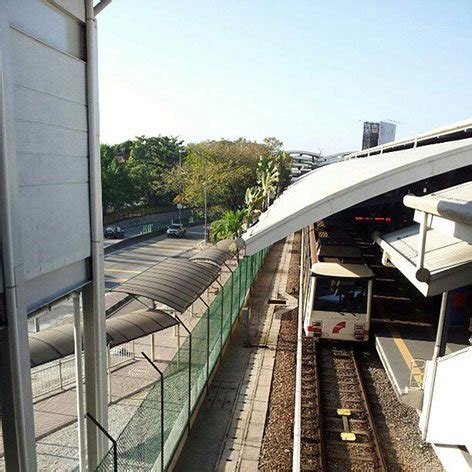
column 47, row 51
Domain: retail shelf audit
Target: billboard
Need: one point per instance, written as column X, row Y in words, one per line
column 47, row 140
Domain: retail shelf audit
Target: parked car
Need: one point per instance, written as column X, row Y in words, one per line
column 176, row 230
column 114, row 232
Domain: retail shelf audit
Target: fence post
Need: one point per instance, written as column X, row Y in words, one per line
column 208, row 350
column 221, row 319
column 231, row 309
column 162, row 406
column 189, row 374
column 60, row 373
column 110, row 437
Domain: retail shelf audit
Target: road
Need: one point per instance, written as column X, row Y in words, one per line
column 126, row 263
column 130, row 261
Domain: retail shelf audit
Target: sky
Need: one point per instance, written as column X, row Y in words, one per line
column 307, row 72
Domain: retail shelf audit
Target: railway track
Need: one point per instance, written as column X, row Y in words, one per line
column 338, row 432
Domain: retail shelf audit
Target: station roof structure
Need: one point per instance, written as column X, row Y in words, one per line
column 173, row 282
column 454, row 203
column 333, row 188
column 448, row 260
column 447, row 248
column 55, row 343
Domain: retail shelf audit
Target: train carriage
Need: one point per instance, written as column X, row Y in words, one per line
column 340, row 291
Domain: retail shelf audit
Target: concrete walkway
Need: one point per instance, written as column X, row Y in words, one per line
column 227, row 434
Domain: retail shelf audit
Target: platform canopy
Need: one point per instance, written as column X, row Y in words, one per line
column 447, row 261
column 55, row 343
column 333, row 188
column 173, row 282
column 212, row 255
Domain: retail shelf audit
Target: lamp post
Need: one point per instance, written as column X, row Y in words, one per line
column 205, row 196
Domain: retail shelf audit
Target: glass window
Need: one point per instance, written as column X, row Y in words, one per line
column 341, row 295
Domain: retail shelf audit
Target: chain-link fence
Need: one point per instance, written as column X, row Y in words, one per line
column 152, row 435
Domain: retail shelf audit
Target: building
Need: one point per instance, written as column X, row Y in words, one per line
column 376, row 134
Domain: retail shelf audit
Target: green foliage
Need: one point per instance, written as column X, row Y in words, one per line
column 229, row 226
column 118, row 190
column 227, row 174
column 150, row 160
column 225, row 169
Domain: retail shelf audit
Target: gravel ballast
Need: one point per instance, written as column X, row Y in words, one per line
column 396, row 423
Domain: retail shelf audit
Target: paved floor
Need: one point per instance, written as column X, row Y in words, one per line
column 227, row 434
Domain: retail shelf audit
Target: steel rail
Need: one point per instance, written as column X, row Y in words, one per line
column 374, row 433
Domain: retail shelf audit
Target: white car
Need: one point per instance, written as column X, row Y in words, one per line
column 176, row 230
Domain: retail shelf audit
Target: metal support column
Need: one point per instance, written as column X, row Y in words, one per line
column 79, row 382
column 434, row 362
column 153, row 347
column 189, row 333
column 161, row 374
column 93, row 295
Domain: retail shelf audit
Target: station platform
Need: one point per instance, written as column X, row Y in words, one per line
column 400, row 344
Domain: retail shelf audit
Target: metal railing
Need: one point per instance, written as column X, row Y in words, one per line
column 56, row 376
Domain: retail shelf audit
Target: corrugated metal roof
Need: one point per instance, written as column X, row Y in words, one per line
column 448, row 260
column 214, row 255
column 52, row 344
column 173, row 282
column 331, row 189
column 453, row 203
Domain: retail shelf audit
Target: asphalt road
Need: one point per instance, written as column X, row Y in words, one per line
column 126, row 263
column 130, row 261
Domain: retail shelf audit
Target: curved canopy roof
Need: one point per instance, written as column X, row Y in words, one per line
column 213, row 255
column 173, row 282
column 230, row 244
column 52, row 344
column 333, row 188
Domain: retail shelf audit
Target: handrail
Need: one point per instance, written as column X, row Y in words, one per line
column 297, row 418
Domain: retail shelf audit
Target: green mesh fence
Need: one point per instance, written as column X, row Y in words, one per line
column 176, row 394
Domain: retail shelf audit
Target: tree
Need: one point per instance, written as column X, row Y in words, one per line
column 253, row 200
column 229, row 226
column 267, row 177
column 226, row 168
column 117, row 186
column 150, row 161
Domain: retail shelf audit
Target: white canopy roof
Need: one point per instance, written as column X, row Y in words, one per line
column 333, row 188
column 454, row 203
column 447, row 261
